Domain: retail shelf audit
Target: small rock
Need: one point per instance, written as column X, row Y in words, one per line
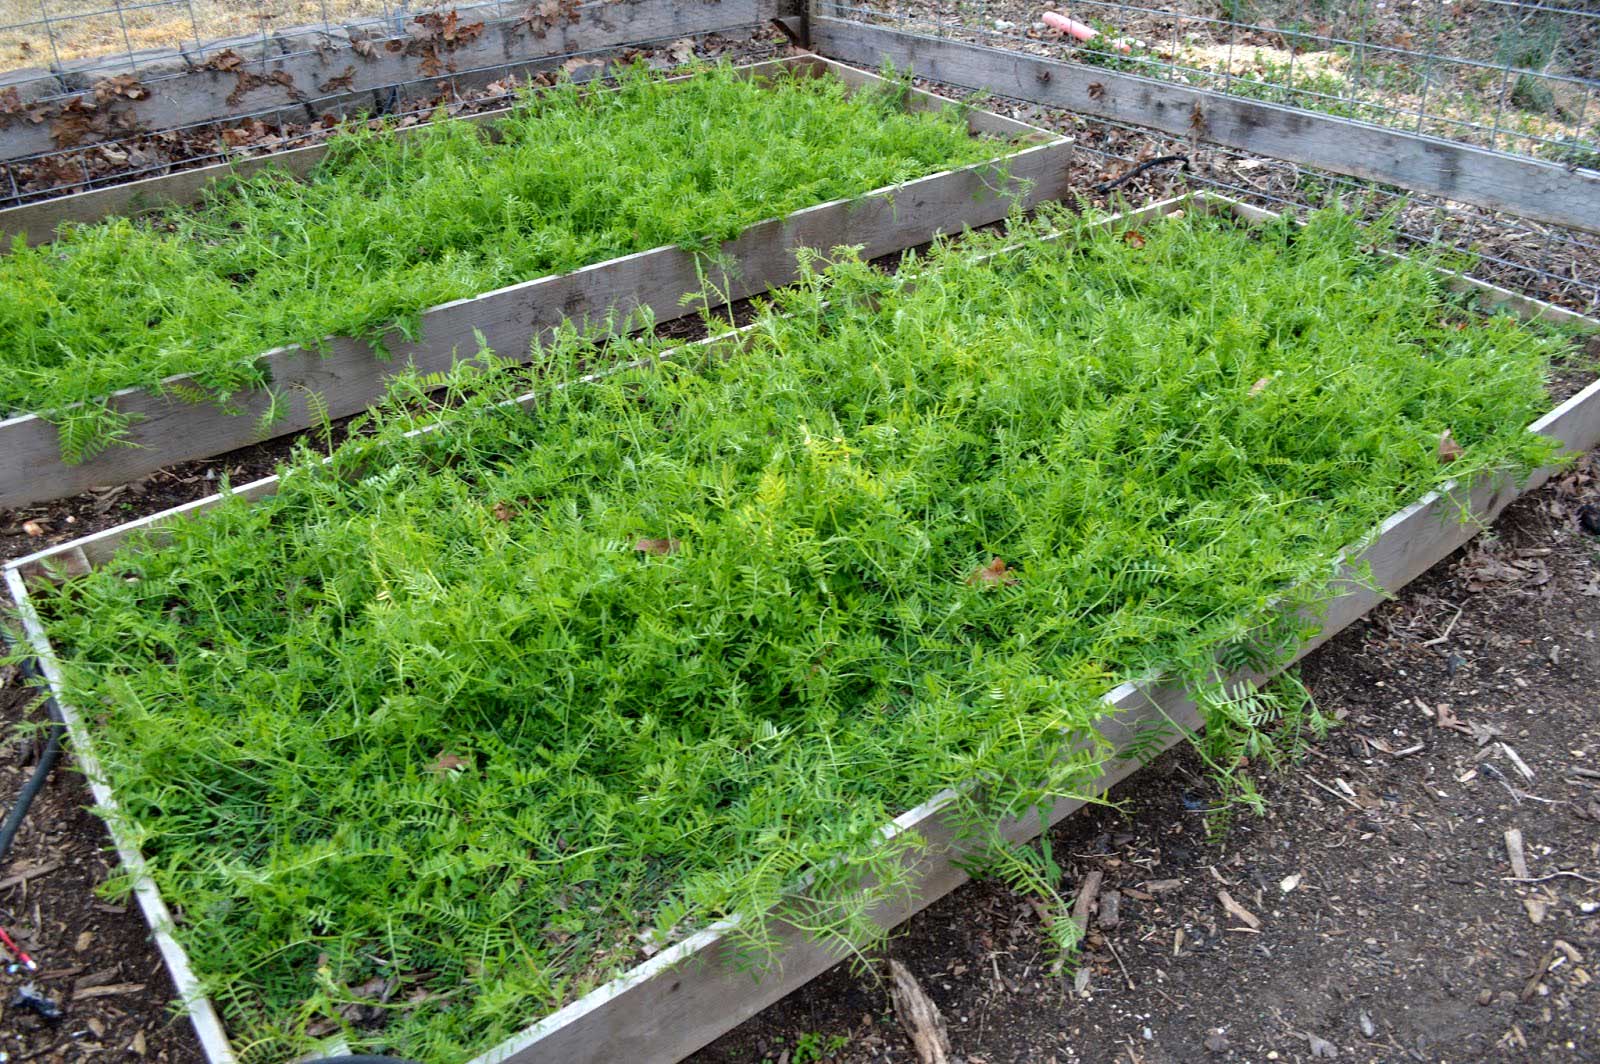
column 1485, row 996
column 1368, row 1028
column 1003, row 26
column 1321, row 1047
column 1216, row 1041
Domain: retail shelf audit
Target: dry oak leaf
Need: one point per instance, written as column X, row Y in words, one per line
column 1449, row 449
column 992, row 575
column 124, row 85
column 448, row 764
column 1259, row 386
column 659, row 547
column 503, row 513
column 1133, row 238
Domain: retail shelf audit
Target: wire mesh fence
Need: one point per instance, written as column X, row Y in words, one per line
column 1515, row 78
column 123, row 34
column 1507, row 75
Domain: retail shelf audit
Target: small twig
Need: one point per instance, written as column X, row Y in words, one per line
column 1541, row 879
column 1124, row 967
column 1519, row 862
column 1086, row 895
column 1522, row 766
column 1352, row 803
column 1442, row 636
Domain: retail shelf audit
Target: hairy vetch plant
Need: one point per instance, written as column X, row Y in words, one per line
column 460, row 716
column 389, row 226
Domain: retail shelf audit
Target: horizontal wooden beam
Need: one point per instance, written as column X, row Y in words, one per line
column 348, row 377
column 1529, row 188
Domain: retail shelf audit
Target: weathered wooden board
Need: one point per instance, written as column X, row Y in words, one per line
column 1530, row 188
column 348, row 377
column 702, row 987
column 318, row 70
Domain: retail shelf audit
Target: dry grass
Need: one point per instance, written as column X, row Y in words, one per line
column 83, row 28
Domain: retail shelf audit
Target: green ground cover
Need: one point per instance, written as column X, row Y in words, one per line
column 389, row 226
column 435, row 733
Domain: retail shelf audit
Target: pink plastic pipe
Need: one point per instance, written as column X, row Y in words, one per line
column 1078, row 31
column 1070, row 26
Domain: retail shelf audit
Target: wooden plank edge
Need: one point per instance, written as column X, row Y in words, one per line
column 34, row 470
column 202, row 1014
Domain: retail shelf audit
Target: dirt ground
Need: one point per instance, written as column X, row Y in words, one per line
column 1391, row 923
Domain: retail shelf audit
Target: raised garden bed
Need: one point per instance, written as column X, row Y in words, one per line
column 890, row 135
column 1348, row 407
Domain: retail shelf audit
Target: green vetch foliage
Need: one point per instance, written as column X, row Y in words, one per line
column 461, row 715
column 388, row 226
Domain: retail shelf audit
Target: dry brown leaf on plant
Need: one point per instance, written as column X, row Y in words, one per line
column 449, row 764
column 1449, row 449
column 992, row 575
column 658, row 547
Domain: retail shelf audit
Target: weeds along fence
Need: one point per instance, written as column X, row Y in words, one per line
column 97, row 92
column 1477, row 120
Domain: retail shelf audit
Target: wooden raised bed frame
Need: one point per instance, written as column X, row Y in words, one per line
column 698, row 988
column 349, row 377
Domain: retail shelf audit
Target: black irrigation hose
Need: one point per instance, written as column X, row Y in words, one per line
column 41, row 771
column 1141, row 168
